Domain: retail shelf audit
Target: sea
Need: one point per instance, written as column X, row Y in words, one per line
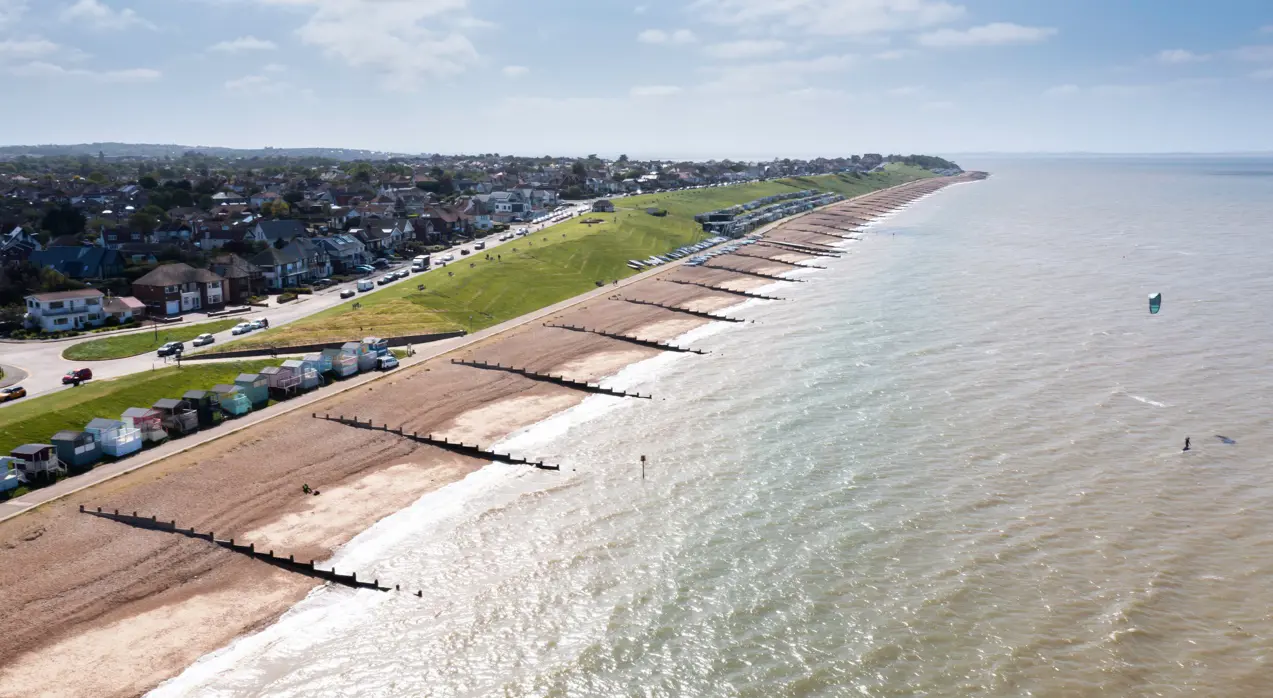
column 948, row 465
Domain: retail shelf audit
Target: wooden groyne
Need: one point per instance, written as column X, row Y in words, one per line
column 548, row 378
column 796, row 247
column 757, row 274
column 696, row 313
column 823, row 232
column 722, row 289
column 778, row 261
column 653, row 344
column 812, row 245
column 289, row 563
column 457, row 447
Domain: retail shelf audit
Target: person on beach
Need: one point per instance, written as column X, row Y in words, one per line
column 1186, row 448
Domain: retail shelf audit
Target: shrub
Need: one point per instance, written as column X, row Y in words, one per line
column 286, row 297
column 298, row 290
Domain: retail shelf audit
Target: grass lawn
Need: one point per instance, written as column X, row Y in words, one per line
column 120, row 346
column 35, row 420
column 547, row 267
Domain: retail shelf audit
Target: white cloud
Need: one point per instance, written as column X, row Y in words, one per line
column 775, row 75
column 42, row 69
column 994, row 34
column 639, row 9
column 27, row 48
column 405, row 41
column 274, row 68
column 1254, row 54
column 1265, row 74
column 11, row 11
column 1179, row 56
column 99, row 15
column 654, row 90
column 1060, row 91
column 746, row 48
column 658, row 36
column 940, row 105
column 831, row 17
column 243, row 43
column 515, row 71
column 892, row 54
column 906, row 91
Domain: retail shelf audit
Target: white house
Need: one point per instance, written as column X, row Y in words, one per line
column 66, row 310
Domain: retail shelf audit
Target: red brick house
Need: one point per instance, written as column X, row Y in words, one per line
column 173, row 289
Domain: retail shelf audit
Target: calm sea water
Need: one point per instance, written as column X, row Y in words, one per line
column 950, row 466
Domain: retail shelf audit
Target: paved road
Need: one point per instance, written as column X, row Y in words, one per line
column 43, row 366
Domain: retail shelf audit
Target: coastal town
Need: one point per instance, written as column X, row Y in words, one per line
column 301, row 289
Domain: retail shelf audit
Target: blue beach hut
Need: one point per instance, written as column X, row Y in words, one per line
column 234, row 401
column 77, row 449
column 117, row 439
column 256, row 387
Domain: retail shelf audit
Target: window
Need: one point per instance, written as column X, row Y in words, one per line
column 56, row 305
column 214, row 284
column 61, row 321
column 92, row 301
column 170, row 289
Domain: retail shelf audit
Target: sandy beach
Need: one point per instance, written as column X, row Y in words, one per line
column 97, row 608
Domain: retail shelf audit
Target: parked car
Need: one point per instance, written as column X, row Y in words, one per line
column 365, row 285
column 464, row 251
column 171, row 349
column 480, row 246
column 448, row 257
column 386, row 280
column 348, row 293
column 380, row 263
column 364, row 269
column 259, row 324
column 12, row 392
column 242, row 328
column 386, row 362
column 203, row 339
column 322, row 283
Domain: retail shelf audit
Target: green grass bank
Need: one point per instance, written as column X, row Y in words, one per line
column 125, row 345
column 547, row 267
column 34, row 420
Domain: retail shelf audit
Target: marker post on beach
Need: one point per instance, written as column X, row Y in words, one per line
column 642, row 467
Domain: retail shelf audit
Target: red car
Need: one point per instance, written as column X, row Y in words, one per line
column 77, row 376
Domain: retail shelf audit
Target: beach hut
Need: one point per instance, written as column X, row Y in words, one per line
column 11, row 478
column 116, row 438
column 149, row 422
column 344, row 361
column 77, row 449
column 320, row 361
column 366, row 359
column 255, row 387
column 206, row 405
column 305, row 372
column 38, row 460
column 282, row 380
column 179, row 416
column 234, row 401
column 376, row 345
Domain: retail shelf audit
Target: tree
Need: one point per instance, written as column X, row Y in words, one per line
column 143, row 222
column 579, row 170
column 148, row 183
column 98, row 177
column 294, row 196
column 623, row 160
column 63, row 219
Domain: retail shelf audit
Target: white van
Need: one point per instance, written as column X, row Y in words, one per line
column 366, row 285
column 420, row 263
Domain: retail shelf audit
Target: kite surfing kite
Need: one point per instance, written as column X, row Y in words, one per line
column 1155, row 303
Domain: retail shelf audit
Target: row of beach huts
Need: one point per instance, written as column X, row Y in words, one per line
column 138, row 427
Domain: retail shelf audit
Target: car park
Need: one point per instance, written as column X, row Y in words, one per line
column 348, row 293
column 12, row 392
column 203, row 339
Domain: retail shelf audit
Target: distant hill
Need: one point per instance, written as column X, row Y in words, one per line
column 154, row 150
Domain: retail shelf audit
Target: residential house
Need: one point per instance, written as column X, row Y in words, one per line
column 265, row 197
column 65, row 310
column 603, row 206
column 225, row 198
column 506, row 206
column 344, row 251
column 116, row 238
column 81, row 262
column 299, row 262
column 124, row 308
column 384, row 235
column 440, row 222
column 243, row 279
column 17, row 245
column 172, row 289
column 477, row 211
column 215, row 234
column 173, row 233
column 273, row 231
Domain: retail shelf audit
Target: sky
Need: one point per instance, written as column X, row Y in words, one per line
column 648, row 78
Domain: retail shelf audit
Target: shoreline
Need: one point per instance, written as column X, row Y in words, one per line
column 99, row 577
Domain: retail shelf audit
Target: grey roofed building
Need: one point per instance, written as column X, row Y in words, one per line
column 176, row 274
column 271, row 231
column 80, row 262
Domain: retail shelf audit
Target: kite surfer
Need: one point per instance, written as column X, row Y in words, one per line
column 1186, row 448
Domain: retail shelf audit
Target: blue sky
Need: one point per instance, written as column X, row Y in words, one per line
column 695, row 78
